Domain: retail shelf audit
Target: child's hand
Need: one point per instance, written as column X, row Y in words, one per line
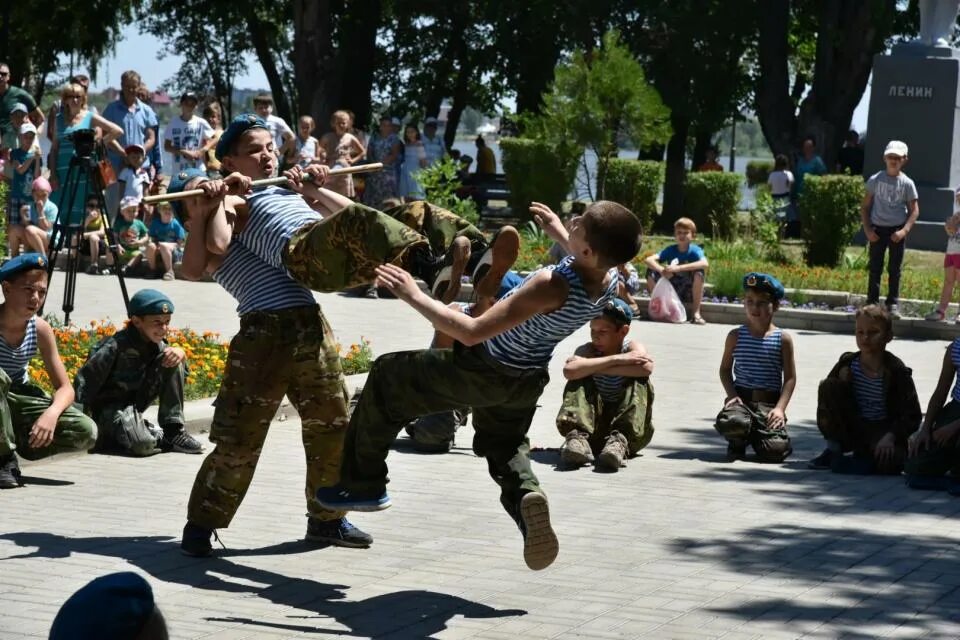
column 885, row 449
column 943, row 435
column 318, row 173
column 920, row 440
column 776, row 418
column 546, row 218
column 871, row 235
column 172, row 357
column 237, row 184
column 41, row 434
column 898, row 236
column 398, row 281
column 295, row 176
column 732, row 401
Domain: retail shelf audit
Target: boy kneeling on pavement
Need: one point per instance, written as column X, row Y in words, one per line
column 608, row 401
column 127, row 371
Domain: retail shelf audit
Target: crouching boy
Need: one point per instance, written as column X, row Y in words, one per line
column 608, row 401
column 868, row 403
column 758, row 377
column 126, row 372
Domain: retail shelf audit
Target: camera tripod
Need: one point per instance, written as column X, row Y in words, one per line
column 68, row 234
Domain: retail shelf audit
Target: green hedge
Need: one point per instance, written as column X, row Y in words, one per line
column 829, row 215
column 711, row 199
column 536, row 171
column 758, row 171
column 636, row 184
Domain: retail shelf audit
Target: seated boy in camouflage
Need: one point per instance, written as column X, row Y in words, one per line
column 126, row 372
column 608, row 400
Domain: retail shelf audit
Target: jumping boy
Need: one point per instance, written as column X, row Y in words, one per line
column 499, row 368
column 758, row 376
column 126, row 372
column 684, row 264
column 868, row 403
column 888, row 213
column 32, row 424
column 607, row 408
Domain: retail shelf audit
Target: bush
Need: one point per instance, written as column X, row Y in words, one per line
column 711, row 199
column 636, row 184
column 829, row 215
column 536, row 171
column 758, row 171
column 440, row 184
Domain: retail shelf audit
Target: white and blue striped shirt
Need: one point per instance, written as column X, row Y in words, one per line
column 955, row 358
column 758, row 362
column 871, row 400
column 530, row 344
column 610, row 387
column 14, row 360
column 258, row 286
column 275, row 214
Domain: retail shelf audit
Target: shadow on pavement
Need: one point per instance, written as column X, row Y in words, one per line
column 406, row 614
column 867, row 578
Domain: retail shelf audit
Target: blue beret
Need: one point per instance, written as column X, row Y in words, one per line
column 23, row 262
column 240, row 124
column 764, row 282
column 618, row 311
column 111, row 607
column 149, row 302
column 178, row 183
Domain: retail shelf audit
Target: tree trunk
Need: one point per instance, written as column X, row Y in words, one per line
column 460, row 96
column 775, row 109
column 536, row 40
column 676, row 171
column 315, row 60
column 258, row 38
column 358, row 46
column 703, row 140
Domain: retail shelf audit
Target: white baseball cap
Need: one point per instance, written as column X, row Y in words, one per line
column 27, row 127
column 895, row 148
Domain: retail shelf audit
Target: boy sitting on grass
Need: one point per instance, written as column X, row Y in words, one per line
column 687, row 275
column 868, row 403
column 608, row 401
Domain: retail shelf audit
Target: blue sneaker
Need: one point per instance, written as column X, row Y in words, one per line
column 340, row 498
column 340, row 532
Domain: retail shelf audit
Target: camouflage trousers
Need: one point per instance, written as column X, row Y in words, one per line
column 407, row 384
column 746, row 423
column 439, row 226
column 839, row 420
column 632, row 416
column 123, row 426
column 20, row 406
column 290, row 352
column 343, row 250
column 938, row 460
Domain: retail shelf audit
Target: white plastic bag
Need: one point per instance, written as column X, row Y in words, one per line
column 665, row 304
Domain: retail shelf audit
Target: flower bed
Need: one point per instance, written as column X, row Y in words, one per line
column 206, row 356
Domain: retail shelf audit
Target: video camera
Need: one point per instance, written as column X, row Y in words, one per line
column 84, row 141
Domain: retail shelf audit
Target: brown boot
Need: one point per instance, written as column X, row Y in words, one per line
column 576, row 452
column 614, row 452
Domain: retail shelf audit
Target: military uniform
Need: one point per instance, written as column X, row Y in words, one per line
column 122, row 376
column 583, row 409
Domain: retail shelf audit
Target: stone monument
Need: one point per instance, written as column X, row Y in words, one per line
column 915, row 97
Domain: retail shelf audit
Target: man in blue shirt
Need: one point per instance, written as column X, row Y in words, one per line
column 137, row 121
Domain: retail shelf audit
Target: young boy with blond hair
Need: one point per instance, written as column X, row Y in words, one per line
column 684, row 264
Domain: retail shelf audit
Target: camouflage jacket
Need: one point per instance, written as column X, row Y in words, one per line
column 116, row 369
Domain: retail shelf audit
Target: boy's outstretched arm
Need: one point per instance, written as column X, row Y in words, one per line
column 550, row 223
column 543, row 293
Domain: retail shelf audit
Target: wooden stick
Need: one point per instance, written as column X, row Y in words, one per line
column 266, row 182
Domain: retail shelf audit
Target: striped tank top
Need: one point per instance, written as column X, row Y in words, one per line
column 758, row 362
column 955, row 359
column 530, row 344
column 14, row 360
column 871, row 400
column 275, row 214
column 258, row 286
column 609, row 387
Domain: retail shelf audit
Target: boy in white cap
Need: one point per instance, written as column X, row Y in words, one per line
column 888, row 213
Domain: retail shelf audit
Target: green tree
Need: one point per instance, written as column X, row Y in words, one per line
column 597, row 98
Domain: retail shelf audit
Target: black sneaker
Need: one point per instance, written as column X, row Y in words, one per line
column 736, row 451
column 340, row 532
column 196, row 541
column 181, row 442
column 822, row 462
column 9, row 471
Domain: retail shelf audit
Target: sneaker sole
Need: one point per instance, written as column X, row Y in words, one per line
column 368, row 507
column 193, row 554
column 182, row 450
column 575, row 459
column 540, row 546
column 337, row 542
column 505, row 250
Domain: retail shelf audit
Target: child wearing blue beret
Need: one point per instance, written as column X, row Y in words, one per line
column 127, row 372
column 758, row 376
column 32, row 424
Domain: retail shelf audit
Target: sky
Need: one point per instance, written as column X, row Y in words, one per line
column 138, row 51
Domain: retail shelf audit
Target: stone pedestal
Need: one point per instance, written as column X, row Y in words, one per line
column 915, row 98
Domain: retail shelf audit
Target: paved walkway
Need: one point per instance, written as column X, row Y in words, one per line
column 677, row 545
